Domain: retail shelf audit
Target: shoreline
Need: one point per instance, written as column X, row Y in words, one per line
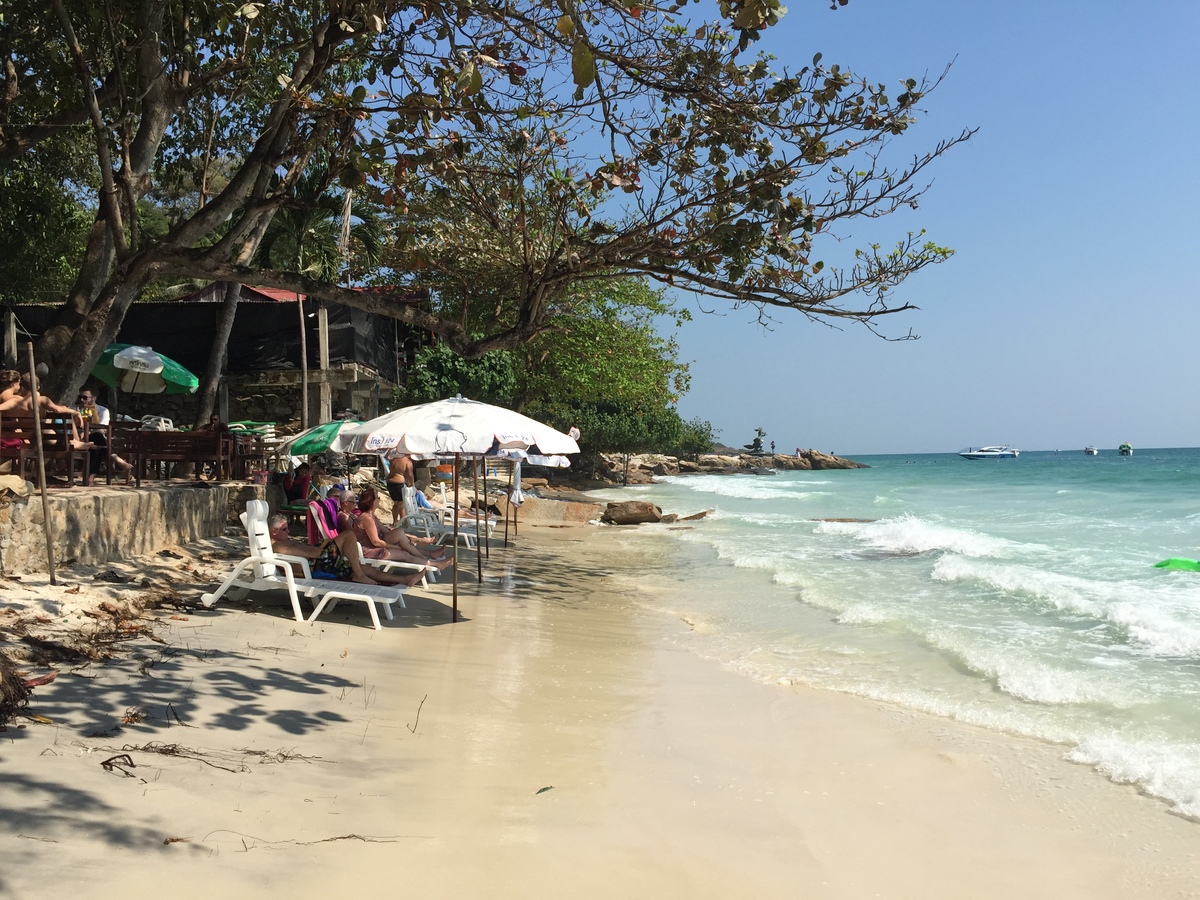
column 561, row 740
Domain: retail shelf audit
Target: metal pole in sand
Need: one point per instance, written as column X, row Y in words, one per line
column 487, row 547
column 457, row 461
column 41, row 459
column 508, row 501
column 478, row 555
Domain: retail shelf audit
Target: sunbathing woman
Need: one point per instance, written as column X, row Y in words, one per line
column 347, row 507
column 370, row 534
column 336, row 559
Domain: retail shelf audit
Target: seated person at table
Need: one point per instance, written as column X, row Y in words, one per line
column 367, row 528
column 336, row 559
column 22, row 402
column 95, row 414
column 10, row 379
column 298, row 483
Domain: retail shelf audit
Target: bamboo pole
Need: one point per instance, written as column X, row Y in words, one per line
column 41, row 461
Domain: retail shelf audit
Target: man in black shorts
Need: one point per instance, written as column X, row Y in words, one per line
column 400, row 476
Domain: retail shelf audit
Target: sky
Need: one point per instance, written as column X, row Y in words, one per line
column 1068, row 315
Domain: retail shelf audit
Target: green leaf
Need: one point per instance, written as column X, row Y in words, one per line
column 583, row 66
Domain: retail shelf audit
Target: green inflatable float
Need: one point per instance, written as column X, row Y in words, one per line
column 1177, row 562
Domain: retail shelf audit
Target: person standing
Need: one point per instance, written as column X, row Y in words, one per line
column 400, row 476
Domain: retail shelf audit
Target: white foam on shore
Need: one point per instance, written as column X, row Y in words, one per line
column 909, row 534
column 1162, row 619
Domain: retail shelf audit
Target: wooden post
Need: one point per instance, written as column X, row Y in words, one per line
column 10, row 339
column 303, row 367
column 324, row 389
column 457, row 461
column 41, row 459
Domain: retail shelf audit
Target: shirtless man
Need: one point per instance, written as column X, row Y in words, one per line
column 400, row 476
column 23, row 402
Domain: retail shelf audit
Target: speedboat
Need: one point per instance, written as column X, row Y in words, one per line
column 1091, row 451
column 1005, row 452
column 1126, row 449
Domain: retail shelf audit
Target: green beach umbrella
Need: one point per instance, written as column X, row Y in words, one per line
column 140, row 370
column 316, row 439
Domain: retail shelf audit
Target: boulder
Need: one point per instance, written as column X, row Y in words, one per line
column 631, row 512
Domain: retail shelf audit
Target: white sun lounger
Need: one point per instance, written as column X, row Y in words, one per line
column 428, row 573
column 266, row 570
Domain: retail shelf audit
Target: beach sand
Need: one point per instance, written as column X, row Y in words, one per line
column 560, row 741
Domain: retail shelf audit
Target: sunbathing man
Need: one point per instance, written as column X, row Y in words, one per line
column 336, row 559
column 370, row 533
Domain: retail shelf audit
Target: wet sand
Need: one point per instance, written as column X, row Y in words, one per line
column 561, row 741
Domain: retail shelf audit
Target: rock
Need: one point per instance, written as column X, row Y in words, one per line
column 631, row 512
column 669, row 518
column 694, row 516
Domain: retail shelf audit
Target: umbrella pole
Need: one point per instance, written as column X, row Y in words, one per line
column 478, row 555
column 487, row 545
column 508, row 502
column 454, row 617
column 41, row 460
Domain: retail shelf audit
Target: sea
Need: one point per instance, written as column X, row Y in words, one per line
column 1016, row 595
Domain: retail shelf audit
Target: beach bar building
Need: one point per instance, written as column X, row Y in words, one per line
column 354, row 360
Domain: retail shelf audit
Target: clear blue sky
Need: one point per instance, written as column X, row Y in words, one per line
column 1069, row 314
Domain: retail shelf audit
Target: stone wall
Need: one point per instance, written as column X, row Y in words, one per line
column 101, row 525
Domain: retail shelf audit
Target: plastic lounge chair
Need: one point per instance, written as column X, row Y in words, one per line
column 266, row 570
column 429, row 523
column 320, row 525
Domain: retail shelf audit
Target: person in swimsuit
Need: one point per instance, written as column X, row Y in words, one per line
column 336, row 559
column 369, row 531
column 22, row 402
column 400, row 476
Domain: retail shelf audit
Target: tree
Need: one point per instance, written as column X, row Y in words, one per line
column 645, row 144
column 440, row 373
column 696, row 437
column 43, row 224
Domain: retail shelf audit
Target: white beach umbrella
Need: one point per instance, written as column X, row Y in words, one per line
column 447, row 427
column 454, row 427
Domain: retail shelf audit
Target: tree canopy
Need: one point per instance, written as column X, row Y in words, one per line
column 552, row 143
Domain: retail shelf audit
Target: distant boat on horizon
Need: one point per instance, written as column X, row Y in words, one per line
column 1091, row 451
column 1126, row 449
column 995, row 452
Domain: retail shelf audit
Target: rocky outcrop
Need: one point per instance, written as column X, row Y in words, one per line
column 631, row 512
column 645, row 468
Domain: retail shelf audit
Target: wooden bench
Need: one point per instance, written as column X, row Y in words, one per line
column 18, row 442
column 196, row 447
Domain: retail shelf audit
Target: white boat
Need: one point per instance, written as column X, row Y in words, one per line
column 1005, row 452
column 1091, row 451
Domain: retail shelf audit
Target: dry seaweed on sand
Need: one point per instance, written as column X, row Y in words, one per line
column 13, row 692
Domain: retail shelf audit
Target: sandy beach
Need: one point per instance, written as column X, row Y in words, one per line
column 562, row 740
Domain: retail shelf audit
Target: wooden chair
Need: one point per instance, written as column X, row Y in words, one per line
column 18, row 442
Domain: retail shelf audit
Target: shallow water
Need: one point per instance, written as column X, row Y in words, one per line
column 1018, row 595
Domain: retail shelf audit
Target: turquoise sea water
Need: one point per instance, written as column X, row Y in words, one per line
column 1017, row 595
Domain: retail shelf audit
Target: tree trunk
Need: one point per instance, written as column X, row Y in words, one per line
column 206, row 397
